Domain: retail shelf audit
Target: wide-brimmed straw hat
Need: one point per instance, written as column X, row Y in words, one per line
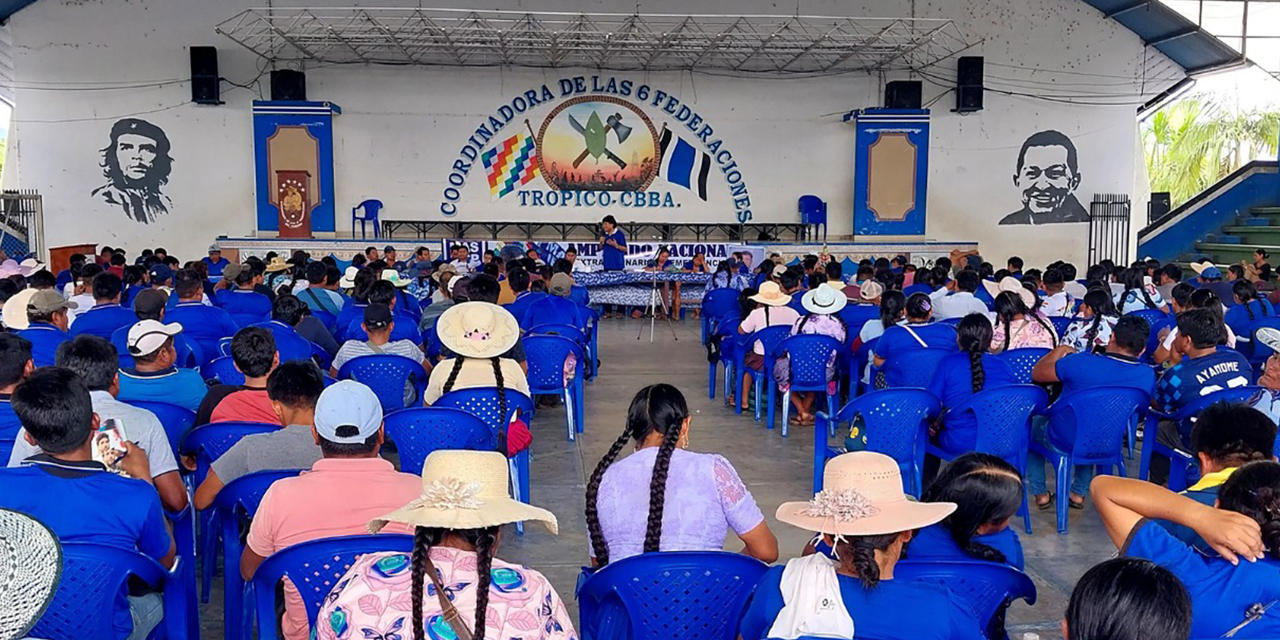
column 30, row 568
column 870, row 290
column 392, row 276
column 771, row 294
column 14, row 312
column 862, row 496
column 1206, row 269
column 465, row 490
column 1012, row 285
column 277, row 264
column 348, row 279
column 823, row 300
column 477, row 329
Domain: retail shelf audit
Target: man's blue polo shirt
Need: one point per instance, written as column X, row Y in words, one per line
column 45, row 339
column 102, row 320
column 215, row 268
column 245, row 306
column 69, row 497
column 289, row 344
column 202, row 323
column 9, row 426
column 183, row 387
column 403, row 329
column 522, row 302
column 188, row 349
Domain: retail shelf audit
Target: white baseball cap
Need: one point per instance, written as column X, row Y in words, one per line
column 146, row 336
column 348, row 403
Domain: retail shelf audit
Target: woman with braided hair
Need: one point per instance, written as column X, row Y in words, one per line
column 866, row 520
column 1016, row 326
column 822, row 304
column 451, row 580
column 1091, row 330
column 1138, row 293
column 987, row 492
column 693, row 498
column 478, row 333
column 962, row 374
column 1249, row 306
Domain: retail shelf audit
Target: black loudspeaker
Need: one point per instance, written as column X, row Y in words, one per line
column 287, row 84
column 205, row 83
column 1159, row 205
column 969, row 84
column 902, row 94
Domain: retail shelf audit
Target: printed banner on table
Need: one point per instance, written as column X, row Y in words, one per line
column 590, row 257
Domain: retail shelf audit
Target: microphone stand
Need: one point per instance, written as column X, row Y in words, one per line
column 655, row 298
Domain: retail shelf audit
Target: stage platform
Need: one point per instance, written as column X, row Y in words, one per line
column 568, row 231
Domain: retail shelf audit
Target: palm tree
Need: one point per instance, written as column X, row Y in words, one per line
column 1195, row 142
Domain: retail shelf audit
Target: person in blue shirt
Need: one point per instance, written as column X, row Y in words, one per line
column 15, row 365
column 519, row 281
column 613, row 250
column 47, row 325
column 155, row 377
column 204, row 324
column 214, row 261
column 68, row 275
column 1119, row 367
column 318, row 296
column 106, row 315
column 245, row 305
column 923, row 283
column 863, row 513
column 1128, row 599
column 1244, row 531
column 919, row 332
column 987, row 492
column 382, row 292
column 286, row 312
column 961, row 375
column 77, row 497
column 1249, row 307
column 150, row 305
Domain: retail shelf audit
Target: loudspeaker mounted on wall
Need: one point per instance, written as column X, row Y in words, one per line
column 969, row 84
column 903, row 94
column 287, row 84
column 205, row 83
column 1159, row 205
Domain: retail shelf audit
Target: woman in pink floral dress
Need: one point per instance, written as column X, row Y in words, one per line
column 394, row 596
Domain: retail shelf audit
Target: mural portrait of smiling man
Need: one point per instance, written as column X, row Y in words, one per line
column 1048, row 175
column 136, row 165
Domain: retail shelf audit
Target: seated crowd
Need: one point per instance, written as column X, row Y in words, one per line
column 279, row 343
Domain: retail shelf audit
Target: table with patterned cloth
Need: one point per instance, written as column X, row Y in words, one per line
column 633, row 288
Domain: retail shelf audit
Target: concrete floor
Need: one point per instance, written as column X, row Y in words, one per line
column 774, row 468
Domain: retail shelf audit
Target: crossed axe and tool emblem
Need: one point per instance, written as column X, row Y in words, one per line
column 596, row 136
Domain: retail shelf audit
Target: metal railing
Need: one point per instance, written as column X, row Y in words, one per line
column 1109, row 215
column 22, row 224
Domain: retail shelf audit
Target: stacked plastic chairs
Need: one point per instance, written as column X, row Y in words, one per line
column 387, row 375
column 895, row 422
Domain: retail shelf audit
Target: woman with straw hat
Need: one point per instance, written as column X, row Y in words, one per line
column 822, row 303
column 471, row 594
column 773, row 311
column 864, row 520
column 478, row 333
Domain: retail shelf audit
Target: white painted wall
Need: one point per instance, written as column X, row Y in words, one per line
column 402, row 127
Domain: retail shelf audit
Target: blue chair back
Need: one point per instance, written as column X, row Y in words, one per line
column 1153, row 338
column 670, row 594
column 1152, row 316
column 368, row 209
column 420, row 430
column 208, row 442
column 223, row 369
column 858, row 364
column 176, row 420
column 545, row 356
column 769, row 338
column 985, row 588
column 1099, row 418
column 314, row 568
column 1004, row 419
column 915, row 367
column 386, row 375
column 813, row 211
column 431, row 340
column 809, row 355
column 1022, row 361
column 553, row 309
column 720, row 303
column 856, row 315
column 94, row 576
column 482, row 402
column 327, row 319
column 563, row 330
column 895, row 421
column 1060, row 324
column 243, row 495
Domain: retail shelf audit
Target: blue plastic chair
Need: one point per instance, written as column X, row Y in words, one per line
column 207, row 443
column 419, row 431
column 985, row 588
column 559, row 329
column 670, row 594
column 717, row 304
column 727, row 331
column 223, row 369
column 813, row 211
column 184, row 540
column 769, row 338
column 1022, row 361
column 176, row 420
column 1152, row 316
column 482, row 402
column 232, row 510
column 1099, row 418
column 364, row 213
column 1182, row 464
column 1060, row 324
column 1003, row 415
column 858, row 366
column 894, row 421
column 314, row 568
column 809, row 354
column 546, row 356
column 915, row 367
column 93, row 578
column 387, row 376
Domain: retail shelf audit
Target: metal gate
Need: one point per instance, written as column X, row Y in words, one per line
column 1109, row 215
column 22, row 224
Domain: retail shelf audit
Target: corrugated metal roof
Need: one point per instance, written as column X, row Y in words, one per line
column 1193, row 48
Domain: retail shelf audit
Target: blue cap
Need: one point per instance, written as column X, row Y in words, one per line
column 1211, row 272
column 161, row 272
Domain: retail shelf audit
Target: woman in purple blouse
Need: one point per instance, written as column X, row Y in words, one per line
column 694, row 498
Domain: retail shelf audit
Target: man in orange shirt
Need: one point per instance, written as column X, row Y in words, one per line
column 347, row 488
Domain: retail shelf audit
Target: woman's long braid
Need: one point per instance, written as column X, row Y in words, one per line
column 977, row 376
column 421, row 546
column 658, row 488
column 1248, row 307
column 453, row 374
column 502, row 392
column 485, row 543
column 1092, row 333
column 598, row 547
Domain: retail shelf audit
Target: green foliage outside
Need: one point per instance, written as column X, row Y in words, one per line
column 1195, row 142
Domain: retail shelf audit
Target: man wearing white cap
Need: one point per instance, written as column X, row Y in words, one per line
column 343, row 491
column 155, row 376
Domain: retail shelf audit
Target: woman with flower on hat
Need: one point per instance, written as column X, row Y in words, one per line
column 451, row 586
column 773, row 311
column 865, row 519
column 822, row 304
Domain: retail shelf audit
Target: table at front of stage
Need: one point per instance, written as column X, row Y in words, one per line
column 632, row 288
